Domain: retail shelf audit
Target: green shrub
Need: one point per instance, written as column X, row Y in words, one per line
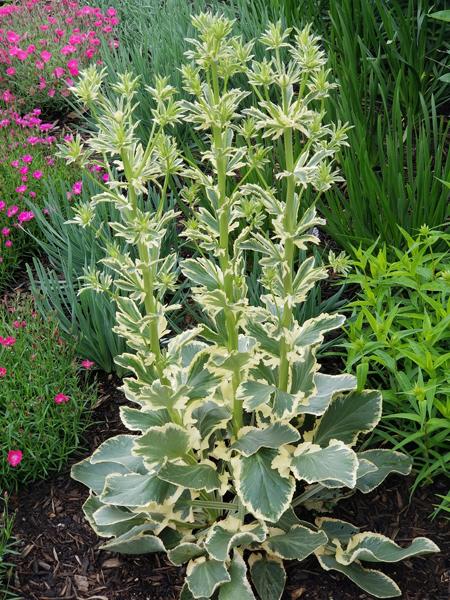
column 39, row 426
column 234, row 418
column 400, row 329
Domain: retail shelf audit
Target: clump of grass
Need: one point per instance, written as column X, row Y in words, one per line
column 43, row 408
column 6, row 548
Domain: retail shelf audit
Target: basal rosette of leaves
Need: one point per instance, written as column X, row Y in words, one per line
column 235, row 424
column 43, row 46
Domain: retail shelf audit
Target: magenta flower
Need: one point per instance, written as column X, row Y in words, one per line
column 61, row 398
column 15, row 457
column 12, row 210
column 8, row 243
column 38, row 174
column 10, row 71
column 7, row 341
column 87, row 364
column 2, row 372
column 72, row 66
column 21, row 189
column 46, row 56
column 77, row 188
column 26, row 215
column 6, row 231
column 27, row 158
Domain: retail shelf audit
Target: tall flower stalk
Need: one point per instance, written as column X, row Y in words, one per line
column 236, row 425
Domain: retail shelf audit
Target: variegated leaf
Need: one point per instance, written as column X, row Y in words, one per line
column 297, row 543
column 118, row 449
column 238, row 586
column 274, row 436
column 135, row 541
column 204, row 576
column 94, row 476
column 333, row 466
column 160, row 443
column 184, row 552
column 268, row 576
column 385, row 462
column 230, row 533
column 194, row 477
column 136, row 490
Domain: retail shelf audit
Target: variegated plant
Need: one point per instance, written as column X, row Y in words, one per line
column 236, row 425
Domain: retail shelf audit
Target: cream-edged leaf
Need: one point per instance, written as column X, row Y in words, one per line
column 204, row 576
column 268, row 576
column 326, row 387
column 194, row 477
column 274, row 436
column 333, row 466
column 222, row 537
column 136, row 490
column 169, row 441
column 238, row 587
column 297, row 543
column 136, row 541
column 141, row 420
column 119, row 449
column 184, row 552
column 384, row 463
column 94, row 476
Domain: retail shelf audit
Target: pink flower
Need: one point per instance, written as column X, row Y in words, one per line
column 38, row 174
column 6, row 231
column 8, row 243
column 23, row 170
column 19, row 324
column 87, row 364
column 7, row 342
column 46, row 56
column 15, row 457
column 105, row 177
column 11, row 71
column 2, row 372
column 72, row 66
column 12, row 37
column 77, row 188
column 2, row 205
column 27, row 158
column 61, row 398
column 21, row 189
column 58, row 72
column 25, row 216
column 12, row 210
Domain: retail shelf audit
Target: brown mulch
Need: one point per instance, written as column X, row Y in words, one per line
column 59, row 556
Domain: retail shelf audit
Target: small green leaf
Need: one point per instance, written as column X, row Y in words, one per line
column 441, row 15
column 268, row 577
column 205, row 576
column 348, row 416
column 274, row 436
column 373, row 582
column 193, row 477
column 297, row 543
column 238, row 588
column 261, row 489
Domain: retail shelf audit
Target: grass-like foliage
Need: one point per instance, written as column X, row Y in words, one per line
column 399, row 337
column 43, row 409
column 236, row 425
column 6, row 548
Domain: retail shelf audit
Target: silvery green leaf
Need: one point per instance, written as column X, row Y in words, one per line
column 336, row 529
column 184, row 552
column 169, row 441
column 313, row 330
column 274, row 436
column 200, row 381
column 284, row 405
column 373, row 582
column 268, row 576
column 326, row 387
column 253, row 394
column 133, row 490
column 385, row 462
column 239, row 586
column 209, row 417
column 333, row 466
column 185, row 594
column 93, row 505
column 135, row 541
column 374, row 547
column 204, row 576
column 159, row 396
column 260, row 488
column 225, row 535
column 194, row 477
column 118, row 449
column 348, row 416
column 287, row 520
column 203, row 272
column 141, row 420
column 297, row 543
column 110, row 515
column 94, row 476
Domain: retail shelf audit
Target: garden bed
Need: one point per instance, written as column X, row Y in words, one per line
column 59, row 556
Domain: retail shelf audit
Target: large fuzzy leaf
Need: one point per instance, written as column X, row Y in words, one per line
column 373, row 547
column 268, row 576
column 238, row 587
column 261, row 489
column 274, row 436
column 374, row 582
column 136, row 490
column 228, row 534
column 159, row 443
column 348, row 416
column 385, row 462
column 205, row 576
column 297, row 543
column 334, row 466
column 94, row 476
column 135, row 541
column 119, row 449
column 194, row 477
